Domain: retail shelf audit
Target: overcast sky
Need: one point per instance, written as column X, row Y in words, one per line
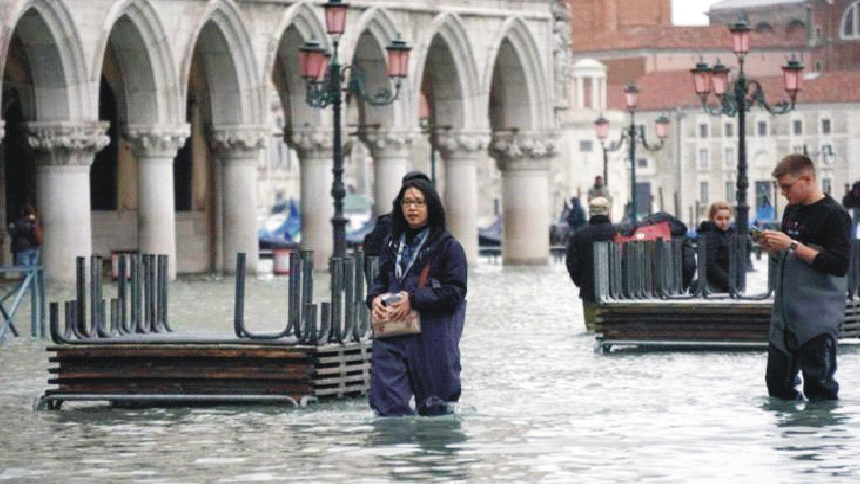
column 690, row 12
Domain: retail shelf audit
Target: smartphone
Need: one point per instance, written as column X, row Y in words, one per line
column 391, row 299
column 756, row 233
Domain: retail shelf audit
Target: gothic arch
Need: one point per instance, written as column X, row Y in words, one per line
column 136, row 33
column 516, row 34
column 450, row 29
column 230, row 63
column 298, row 25
column 379, row 26
column 57, row 62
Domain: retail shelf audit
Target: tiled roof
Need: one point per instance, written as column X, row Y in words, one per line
column 663, row 91
column 674, row 38
column 733, row 4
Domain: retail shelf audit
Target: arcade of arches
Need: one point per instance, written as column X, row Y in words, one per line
column 140, row 124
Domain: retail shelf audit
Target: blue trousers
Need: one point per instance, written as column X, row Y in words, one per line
column 426, row 366
column 27, row 257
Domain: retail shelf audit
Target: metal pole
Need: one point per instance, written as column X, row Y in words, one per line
column 632, row 141
column 338, row 191
column 742, row 184
column 432, row 160
column 605, row 166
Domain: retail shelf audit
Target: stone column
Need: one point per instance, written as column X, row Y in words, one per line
column 238, row 149
column 391, row 152
column 523, row 159
column 64, row 153
column 316, row 204
column 461, row 153
column 155, row 148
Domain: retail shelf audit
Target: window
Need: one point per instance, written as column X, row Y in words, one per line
column 704, row 161
column 703, row 130
column 703, row 192
column 825, row 126
column 730, row 191
column 586, row 145
column 826, row 185
column 729, row 158
column 797, row 126
column 587, row 95
column 642, row 163
column 850, row 22
column 729, row 130
column 761, row 128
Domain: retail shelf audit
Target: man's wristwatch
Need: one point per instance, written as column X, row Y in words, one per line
column 792, row 247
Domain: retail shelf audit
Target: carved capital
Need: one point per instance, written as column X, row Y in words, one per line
column 67, row 142
column 389, row 144
column 311, row 144
column 512, row 148
column 453, row 144
column 156, row 141
column 239, row 141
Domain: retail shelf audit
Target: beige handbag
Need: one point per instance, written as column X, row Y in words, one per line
column 411, row 324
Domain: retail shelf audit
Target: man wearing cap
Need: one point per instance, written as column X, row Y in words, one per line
column 373, row 240
column 580, row 255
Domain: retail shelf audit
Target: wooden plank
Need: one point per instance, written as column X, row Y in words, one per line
column 337, row 370
column 170, row 387
column 162, row 351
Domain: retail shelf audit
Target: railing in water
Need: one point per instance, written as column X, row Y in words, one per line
column 344, row 318
column 33, row 280
column 653, row 270
column 139, row 308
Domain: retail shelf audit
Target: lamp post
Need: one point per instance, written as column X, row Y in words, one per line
column 744, row 94
column 631, row 135
column 324, row 77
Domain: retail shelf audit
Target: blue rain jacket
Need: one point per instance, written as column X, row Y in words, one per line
column 425, row 365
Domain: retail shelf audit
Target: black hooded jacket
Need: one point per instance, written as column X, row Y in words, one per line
column 717, row 242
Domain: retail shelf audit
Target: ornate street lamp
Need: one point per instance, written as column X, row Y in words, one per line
column 631, row 135
column 745, row 93
column 324, row 81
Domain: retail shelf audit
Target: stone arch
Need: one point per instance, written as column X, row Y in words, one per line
column 515, row 44
column 298, row 24
column 60, row 89
column 364, row 46
column 230, row 65
column 448, row 29
column 135, row 33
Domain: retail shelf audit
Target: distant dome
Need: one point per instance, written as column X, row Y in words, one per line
column 588, row 64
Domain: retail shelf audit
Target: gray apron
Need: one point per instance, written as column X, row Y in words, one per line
column 807, row 302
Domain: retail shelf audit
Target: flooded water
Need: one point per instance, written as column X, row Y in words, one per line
column 538, row 405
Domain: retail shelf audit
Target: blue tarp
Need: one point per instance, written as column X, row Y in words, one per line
column 287, row 233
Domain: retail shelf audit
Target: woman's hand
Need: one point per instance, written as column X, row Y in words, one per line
column 379, row 310
column 400, row 309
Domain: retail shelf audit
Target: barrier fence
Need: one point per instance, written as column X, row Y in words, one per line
column 637, row 270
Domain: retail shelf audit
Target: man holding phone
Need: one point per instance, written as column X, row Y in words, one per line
column 811, row 252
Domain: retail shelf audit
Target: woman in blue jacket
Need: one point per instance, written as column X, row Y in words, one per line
column 425, row 365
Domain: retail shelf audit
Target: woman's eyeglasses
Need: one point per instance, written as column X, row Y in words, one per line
column 413, row 202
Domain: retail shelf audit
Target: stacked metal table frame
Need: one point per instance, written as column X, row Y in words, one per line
column 142, row 360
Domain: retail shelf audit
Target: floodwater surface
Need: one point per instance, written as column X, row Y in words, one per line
column 538, row 405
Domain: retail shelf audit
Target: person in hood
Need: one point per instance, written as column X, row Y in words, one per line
column 811, row 254
column 580, row 256
column 425, row 365
column 717, row 233
column 373, row 241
